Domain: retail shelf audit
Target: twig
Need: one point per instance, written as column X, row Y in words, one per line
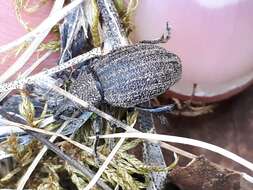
column 88, row 106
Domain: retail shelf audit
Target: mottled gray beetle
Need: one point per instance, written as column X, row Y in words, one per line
column 128, row 76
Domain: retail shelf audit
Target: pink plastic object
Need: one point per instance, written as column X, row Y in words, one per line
column 213, row 38
column 11, row 29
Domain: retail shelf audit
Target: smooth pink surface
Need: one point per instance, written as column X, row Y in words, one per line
column 11, row 29
column 213, row 39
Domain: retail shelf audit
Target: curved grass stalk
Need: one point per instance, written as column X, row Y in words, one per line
column 183, row 140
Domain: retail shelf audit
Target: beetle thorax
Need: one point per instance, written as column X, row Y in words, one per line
column 87, row 88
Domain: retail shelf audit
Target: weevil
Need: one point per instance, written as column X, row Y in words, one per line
column 128, row 76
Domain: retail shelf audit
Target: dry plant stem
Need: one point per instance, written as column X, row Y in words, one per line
column 43, row 75
column 29, row 71
column 36, row 64
column 22, row 60
column 112, row 119
column 114, row 35
column 37, row 159
column 42, row 131
column 183, row 140
column 45, row 25
column 247, row 177
column 57, row 134
column 105, row 164
column 177, row 150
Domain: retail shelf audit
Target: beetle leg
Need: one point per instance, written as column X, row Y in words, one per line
column 163, row 39
column 112, row 141
column 64, row 109
column 96, row 127
column 166, row 108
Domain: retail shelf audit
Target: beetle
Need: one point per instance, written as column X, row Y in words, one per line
column 128, row 76
column 124, row 77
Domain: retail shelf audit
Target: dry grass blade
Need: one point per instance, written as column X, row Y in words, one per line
column 35, row 162
column 104, row 165
column 45, row 25
column 183, row 140
column 177, row 150
column 43, row 75
column 25, row 127
column 29, row 71
column 108, row 160
column 247, row 177
column 55, row 149
column 21, row 61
